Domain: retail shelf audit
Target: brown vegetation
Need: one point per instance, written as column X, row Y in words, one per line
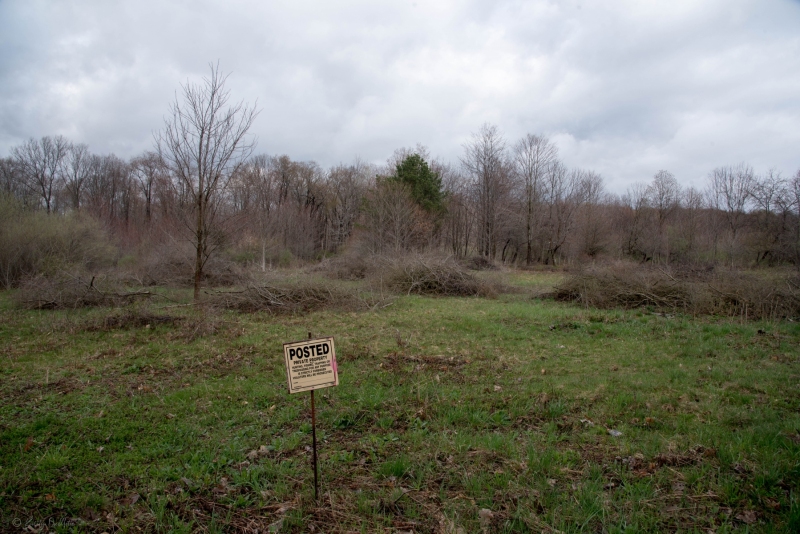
column 715, row 292
column 33, row 243
column 435, row 276
column 282, row 297
column 66, row 291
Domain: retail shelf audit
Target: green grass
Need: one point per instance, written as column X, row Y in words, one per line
column 446, row 406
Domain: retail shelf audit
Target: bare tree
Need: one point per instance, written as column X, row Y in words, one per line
column 533, row 157
column 768, row 194
column 11, row 179
column 76, row 171
column 41, row 165
column 106, row 191
column 594, row 228
column 564, row 193
column 204, row 143
column 485, row 161
column 691, row 210
column 664, row 194
column 394, row 223
column 146, row 170
column 346, row 186
column 728, row 192
column 636, row 205
column 459, row 217
column 792, row 204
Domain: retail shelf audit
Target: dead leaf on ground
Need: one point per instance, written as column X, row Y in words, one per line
column 485, row 516
column 747, row 517
column 131, row 499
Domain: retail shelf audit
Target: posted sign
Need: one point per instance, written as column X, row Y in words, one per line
column 311, row 364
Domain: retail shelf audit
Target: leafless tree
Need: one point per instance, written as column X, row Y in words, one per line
column 459, row 218
column 204, row 143
column 107, row 191
column 76, row 171
column 689, row 225
column 11, row 179
column 636, row 203
column 533, row 157
column 768, row 194
column 663, row 194
column 146, row 170
column 41, row 164
column 484, row 160
column 564, row 192
column 792, row 205
column 393, row 222
column 346, row 186
column 729, row 192
column 594, row 225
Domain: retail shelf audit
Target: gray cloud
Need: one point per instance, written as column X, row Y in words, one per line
column 625, row 88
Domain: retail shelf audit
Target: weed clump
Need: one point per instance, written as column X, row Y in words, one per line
column 699, row 292
column 347, row 267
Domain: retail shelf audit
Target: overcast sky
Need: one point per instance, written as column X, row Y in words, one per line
column 625, row 88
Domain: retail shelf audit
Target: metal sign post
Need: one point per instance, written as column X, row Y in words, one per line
column 314, row 445
column 311, row 365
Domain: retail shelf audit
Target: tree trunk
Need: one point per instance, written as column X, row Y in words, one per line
column 198, row 266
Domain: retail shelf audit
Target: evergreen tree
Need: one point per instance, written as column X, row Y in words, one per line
column 424, row 184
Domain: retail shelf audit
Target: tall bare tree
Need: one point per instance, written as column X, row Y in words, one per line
column 484, row 160
column 76, row 170
column 792, row 204
column 533, row 157
column 346, row 186
column 664, row 195
column 204, row 143
column 146, row 170
column 394, row 222
column 41, row 165
column 564, row 193
column 729, row 191
column 635, row 203
column 593, row 231
column 11, row 179
column 692, row 204
column 768, row 193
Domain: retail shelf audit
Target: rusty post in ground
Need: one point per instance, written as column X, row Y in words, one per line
column 314, row 440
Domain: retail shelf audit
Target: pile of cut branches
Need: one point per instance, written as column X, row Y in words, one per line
column 436, row 276
column 282, row 299
column 727, row 293
column 66, row 291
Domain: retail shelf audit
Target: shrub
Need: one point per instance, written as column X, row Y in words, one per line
column 349, row 266
column 35, row 243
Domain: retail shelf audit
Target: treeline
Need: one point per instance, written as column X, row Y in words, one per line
column 515, row 203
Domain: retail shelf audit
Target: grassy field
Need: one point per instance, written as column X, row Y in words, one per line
column 454, row 415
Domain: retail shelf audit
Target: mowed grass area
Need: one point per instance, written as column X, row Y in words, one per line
column 453, row 415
